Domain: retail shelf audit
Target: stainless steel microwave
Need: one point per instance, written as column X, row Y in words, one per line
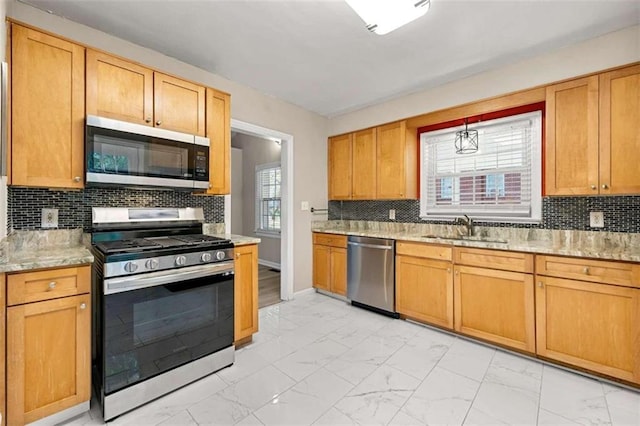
column 121, row 153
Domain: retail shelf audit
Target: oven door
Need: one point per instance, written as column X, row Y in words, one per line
column 150, row 329
column 124, row 153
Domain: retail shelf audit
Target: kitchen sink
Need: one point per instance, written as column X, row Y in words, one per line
column 466, row 238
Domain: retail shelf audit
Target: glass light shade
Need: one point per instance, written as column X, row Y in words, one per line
column 384, row 16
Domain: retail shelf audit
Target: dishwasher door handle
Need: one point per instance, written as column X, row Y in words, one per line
column 375, row 246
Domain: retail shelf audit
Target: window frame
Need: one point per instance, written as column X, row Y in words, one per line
column 259, row 230
column 537, row 169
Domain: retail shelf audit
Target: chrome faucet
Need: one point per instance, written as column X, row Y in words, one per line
column 467, row 222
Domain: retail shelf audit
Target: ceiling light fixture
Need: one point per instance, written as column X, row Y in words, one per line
column 466, row 140
column 384, row 16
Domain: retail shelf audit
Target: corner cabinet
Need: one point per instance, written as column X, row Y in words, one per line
column 245, row 293
column 47, row 110
column 219, row 134
column 127, row 91
column 330, row 263
column 48, row 342
column 374, row 164
column 591, row 125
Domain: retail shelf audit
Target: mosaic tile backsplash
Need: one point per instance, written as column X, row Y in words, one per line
column 621, row 213
column 74, row 207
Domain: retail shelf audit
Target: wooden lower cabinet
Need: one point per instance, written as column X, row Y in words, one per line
column 495, row 305
column 48, row 357
column 424, row 290
column 593, row 326
column 3, row 347
column 330, row 263
column 245, row 292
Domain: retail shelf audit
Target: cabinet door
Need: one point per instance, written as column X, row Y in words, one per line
column 571, row 145
column 495, row 305
column 619, row 131
column 246, row 291
column 119, row 89
column 321, row 267
column 338, row 274
column 339, row 158
column 424, row 290
column 219, row 134
column 178, row 105
column 48, row 357
column 391, row 161
column 364, row 165
column 593, row 326
column 47, row 110
column 3, row 347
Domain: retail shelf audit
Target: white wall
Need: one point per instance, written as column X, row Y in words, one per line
column 256, row 151
column 3, row 180
column 237, row 227
column 308, row 129
column 611, row 50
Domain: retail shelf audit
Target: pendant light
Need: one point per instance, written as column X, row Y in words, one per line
column 466, row 140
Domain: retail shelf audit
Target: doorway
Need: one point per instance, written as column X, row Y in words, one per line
column 260, row 204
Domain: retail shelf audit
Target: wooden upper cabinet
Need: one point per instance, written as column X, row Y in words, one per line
column 397, row 174
column 364, row 165
column 47, row 110
column 119, row 89
column 219, row 134
column 339, row 161
column 571, row 148
column 178, row 105
column 620, row 131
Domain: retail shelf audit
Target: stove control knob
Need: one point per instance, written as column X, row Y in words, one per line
column 130, row 267
column 206, row 257
column 181, row 260
column 220, row 255
column 151, row 264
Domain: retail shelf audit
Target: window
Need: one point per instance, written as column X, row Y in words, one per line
column 268, row 181
column 500, row 182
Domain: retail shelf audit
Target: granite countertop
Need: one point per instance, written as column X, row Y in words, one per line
column 589, row 244
column 239, row 240
column 26, row 250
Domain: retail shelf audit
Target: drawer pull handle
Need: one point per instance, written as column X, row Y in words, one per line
column 83, row 306
column 52, row 285
column 540, row 284
column 585, row 270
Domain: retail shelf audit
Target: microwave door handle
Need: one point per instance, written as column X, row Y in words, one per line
column 135, row 282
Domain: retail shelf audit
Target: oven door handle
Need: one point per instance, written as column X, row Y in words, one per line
column 134, row 282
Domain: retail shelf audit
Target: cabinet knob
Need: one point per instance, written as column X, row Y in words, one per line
column 594, row 187
column 77, row 179
column 83, row 306
column 449, row 270
column 159, row 122
column 457, row 272
column 52, row 285
column 210, row 186
column 147, row 120
column 237, row 255
column 585, row 270
column 605, row 186
column 540, row 284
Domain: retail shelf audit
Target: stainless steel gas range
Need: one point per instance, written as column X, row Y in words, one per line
column 163, row 297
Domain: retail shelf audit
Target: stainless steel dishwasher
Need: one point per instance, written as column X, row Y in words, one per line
column 371, row 274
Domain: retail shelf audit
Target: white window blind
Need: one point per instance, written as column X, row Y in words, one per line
column 500, row 182
column 268, row 185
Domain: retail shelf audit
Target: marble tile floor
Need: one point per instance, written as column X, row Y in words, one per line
column 319, row 361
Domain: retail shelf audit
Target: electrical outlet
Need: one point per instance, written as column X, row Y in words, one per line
column 392, row 214
column 596, row 219
column 304, row 206
column 49, row 218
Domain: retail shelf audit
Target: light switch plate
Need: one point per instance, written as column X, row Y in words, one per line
column 49, row 218
column 596, row 219
column 392, row 214
column 304, row 206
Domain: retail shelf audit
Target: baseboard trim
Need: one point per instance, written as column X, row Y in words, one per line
column 303, row 292
column 269, row 263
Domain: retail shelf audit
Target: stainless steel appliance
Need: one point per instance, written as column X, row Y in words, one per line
column 371, row 274
column 163, row 304
column 121, row 153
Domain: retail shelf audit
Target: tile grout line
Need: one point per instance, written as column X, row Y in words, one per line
column 478, row 390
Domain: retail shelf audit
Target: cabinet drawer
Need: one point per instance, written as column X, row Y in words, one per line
column 599, row 271
column 332, row 240
column 494, row 259
column 30, row 287
column 428, row 251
